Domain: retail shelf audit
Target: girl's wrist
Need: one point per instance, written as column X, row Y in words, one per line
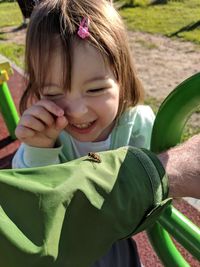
column 37, row 156
column 42, row 144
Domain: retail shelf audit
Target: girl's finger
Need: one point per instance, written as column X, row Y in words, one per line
column 22, row 132
column 40, row 113
column 31, row 122
column 61, row 123
column 51, row 107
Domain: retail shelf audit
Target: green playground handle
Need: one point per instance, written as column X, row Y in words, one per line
column 8, row 109
column 164, row 247
column 174, row 113
column 182, row 229
column 168, row 127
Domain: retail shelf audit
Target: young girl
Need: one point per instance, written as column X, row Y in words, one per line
column 82, row 95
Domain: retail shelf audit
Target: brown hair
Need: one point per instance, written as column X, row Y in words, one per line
column 107, row 33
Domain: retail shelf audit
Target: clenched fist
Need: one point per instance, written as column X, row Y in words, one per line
column 41, row 124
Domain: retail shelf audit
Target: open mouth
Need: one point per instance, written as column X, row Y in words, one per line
column 83, row 127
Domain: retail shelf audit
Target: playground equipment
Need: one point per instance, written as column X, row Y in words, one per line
column 7, row 106
column 168, row 127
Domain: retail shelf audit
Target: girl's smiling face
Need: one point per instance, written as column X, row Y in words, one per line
column 92, row 103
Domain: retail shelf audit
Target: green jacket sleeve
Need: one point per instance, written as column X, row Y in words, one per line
column 69, row 215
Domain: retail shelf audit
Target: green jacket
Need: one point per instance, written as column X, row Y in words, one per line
column 69, row 215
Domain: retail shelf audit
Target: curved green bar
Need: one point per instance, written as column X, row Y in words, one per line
column 164, row 247
column 174, row 113
column 182, row 229
column 168, row 127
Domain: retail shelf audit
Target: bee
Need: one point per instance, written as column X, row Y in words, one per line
column 95, row 157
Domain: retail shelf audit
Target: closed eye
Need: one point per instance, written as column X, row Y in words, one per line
column 97, row 90
column 49, row 96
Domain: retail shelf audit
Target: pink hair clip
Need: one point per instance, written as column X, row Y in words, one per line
column 83, row 31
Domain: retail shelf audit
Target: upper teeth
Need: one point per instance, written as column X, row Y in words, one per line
column 83, row 125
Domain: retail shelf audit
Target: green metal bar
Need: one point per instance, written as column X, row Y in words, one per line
column 8, row 109
column 164, row 247
column 169, row 124
column 182, row 229
column 174, row 113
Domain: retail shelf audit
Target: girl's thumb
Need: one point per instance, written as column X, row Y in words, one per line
column 61, row 123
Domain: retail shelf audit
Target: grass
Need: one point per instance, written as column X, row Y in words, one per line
column 165, row 19
column 14, row 52
column 2, row 37
column 10, row 14
column 153, row 102
column 189, row 131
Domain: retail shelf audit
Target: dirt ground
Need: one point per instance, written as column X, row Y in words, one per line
column 162, row 63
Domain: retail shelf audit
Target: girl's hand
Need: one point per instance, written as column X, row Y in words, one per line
column 41, row 124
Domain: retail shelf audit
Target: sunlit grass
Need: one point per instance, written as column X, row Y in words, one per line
column 165, row 19
column 14, row 52
column 10, row 14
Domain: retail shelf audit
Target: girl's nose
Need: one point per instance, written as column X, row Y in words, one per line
column 76, row 108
